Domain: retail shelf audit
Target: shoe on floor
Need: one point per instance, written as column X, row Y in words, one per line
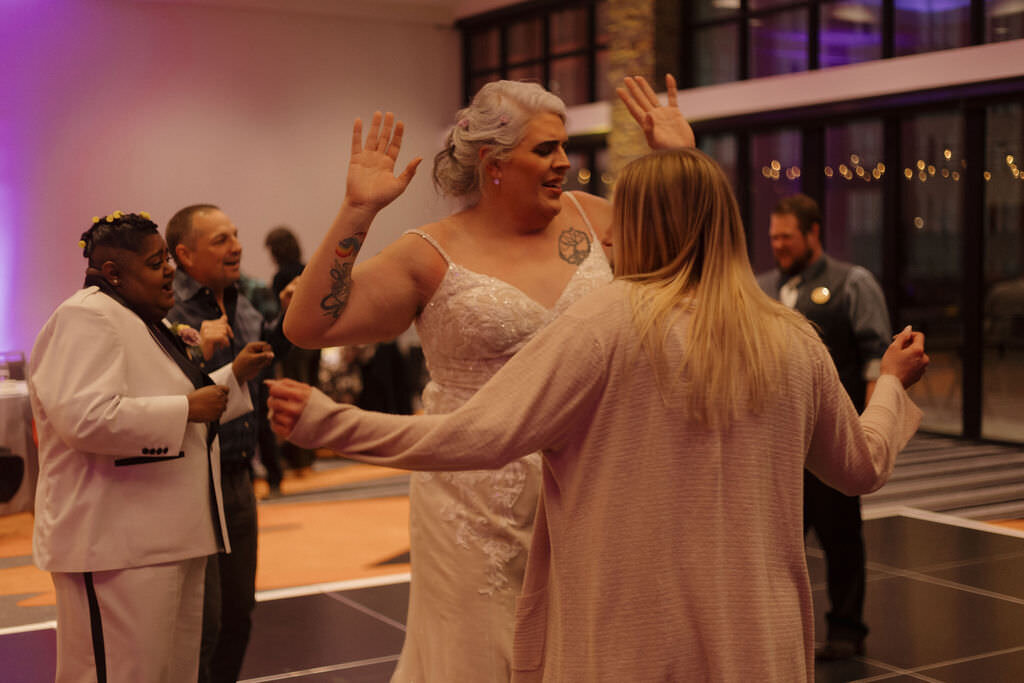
column 835, row 650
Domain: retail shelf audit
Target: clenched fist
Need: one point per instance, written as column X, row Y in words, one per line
column 207, row 404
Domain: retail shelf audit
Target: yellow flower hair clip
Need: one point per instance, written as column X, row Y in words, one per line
column 144, row 214
column 81, row 244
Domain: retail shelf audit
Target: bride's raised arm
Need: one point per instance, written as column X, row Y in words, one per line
column 336, row 302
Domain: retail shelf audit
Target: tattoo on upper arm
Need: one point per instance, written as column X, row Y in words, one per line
column 334, row 303
column 573, row 246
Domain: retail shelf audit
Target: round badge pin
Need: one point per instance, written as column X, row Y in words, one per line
column 821, row 295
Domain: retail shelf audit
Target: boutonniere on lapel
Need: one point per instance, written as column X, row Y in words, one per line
column 189, row 335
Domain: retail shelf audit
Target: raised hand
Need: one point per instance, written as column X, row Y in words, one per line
column 372, row 182
column 665, row 127
column 214, row 335
column 905, row 357
column 250, row 360
column 285, row 402
column 207, row 404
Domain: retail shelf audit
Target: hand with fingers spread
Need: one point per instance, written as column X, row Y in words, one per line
column 664, row 125
column 372, row 182
column 285, row 403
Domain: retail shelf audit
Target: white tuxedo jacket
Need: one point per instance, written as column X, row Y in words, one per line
column 124, row 479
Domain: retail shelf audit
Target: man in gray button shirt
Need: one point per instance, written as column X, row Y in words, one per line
column 204, row 242
column 847, row 304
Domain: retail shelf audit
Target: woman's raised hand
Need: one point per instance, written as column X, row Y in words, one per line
column 372, row 182
column 664, row 126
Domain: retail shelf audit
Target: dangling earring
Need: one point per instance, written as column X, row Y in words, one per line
column 115, row 282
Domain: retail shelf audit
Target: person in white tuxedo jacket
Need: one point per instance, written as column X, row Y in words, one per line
column 128, row 505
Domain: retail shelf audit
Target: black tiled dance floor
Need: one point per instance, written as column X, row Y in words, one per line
column 945, row 602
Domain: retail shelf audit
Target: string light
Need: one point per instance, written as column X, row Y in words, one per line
column 921, row 169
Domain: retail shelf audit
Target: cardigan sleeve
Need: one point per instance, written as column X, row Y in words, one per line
column 529, row 405
column 852, row 454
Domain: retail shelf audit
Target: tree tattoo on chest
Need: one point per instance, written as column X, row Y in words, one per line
column 573, row 246
column 334, row 303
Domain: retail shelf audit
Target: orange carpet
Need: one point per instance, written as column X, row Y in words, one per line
column 299, row 543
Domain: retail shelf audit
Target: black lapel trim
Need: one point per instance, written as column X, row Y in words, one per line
column 145, row 459
column 168, row 341
column 96, row 624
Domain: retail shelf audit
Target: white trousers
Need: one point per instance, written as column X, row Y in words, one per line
column 138, row 625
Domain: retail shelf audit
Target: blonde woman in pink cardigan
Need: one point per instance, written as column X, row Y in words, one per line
column 675, row 410
column 478, row 285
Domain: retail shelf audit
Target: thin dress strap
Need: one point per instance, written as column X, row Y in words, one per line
column 432, row 242
column 586, row 220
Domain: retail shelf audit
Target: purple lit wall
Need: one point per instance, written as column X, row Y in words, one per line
column 11, row 181
column 152, row 105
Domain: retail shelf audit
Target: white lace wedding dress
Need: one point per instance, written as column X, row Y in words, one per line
column 470, row 531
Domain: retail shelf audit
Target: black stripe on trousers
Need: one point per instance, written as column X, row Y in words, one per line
column 96, row 622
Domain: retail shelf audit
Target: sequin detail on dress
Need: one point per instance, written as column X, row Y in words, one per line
column 473, row 324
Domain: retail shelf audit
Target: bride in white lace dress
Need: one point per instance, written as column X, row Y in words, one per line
column 478, row 284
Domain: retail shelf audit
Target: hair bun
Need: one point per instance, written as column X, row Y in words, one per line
column 118, row 229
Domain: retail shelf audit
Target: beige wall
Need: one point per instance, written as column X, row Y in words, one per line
column 124, row 104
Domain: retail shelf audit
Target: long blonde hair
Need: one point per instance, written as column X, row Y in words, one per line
column 678, row 237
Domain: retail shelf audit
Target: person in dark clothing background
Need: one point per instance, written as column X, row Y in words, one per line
column 848, row 307
column 297, row 363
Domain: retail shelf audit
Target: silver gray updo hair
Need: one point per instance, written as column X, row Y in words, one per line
column 496, row 118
